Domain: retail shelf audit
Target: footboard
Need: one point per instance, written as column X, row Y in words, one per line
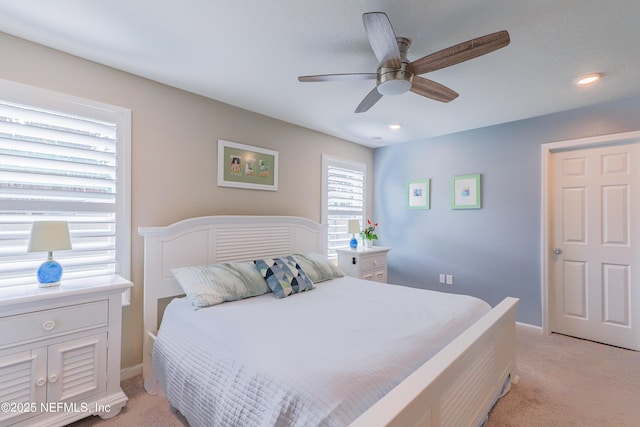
column 459, row 385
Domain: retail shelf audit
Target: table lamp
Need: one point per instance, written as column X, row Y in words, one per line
column 49, row 236
column 354, row 227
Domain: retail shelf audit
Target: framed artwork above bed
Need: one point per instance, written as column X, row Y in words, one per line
column 244, row 166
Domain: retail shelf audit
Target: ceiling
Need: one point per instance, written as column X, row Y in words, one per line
column 249, row 53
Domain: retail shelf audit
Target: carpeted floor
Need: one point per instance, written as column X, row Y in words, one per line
column 563, row 382
column 142, row 410
column 566, row 381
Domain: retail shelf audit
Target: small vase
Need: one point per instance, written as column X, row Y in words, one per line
column 368, row 243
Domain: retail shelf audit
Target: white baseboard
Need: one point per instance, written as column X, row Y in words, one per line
column 535, row 328
column 130, row 372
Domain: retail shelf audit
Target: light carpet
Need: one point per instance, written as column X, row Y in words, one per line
column 564, row 382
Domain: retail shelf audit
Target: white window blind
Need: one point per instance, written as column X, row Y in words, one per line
column 344, row 192
column 62, row 158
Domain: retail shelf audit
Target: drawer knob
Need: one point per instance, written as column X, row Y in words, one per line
column 53, row 378
column 41, row 382
column 49, row 325
column 375, row 262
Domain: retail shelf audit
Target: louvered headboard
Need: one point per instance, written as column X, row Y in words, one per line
column 212, row 239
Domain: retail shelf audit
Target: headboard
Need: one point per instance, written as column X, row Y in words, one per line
column 213, row 239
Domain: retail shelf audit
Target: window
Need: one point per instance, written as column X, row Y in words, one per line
column 344, row 192
column 63, row 158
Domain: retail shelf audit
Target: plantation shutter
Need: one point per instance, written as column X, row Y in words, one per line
column 60, row 165
column 345, row 196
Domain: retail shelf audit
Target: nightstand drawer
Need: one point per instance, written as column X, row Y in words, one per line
column 24, row 328
column 373, row 261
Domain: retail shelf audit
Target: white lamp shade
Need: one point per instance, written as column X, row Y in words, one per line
column 49, row 236
column 354, row 226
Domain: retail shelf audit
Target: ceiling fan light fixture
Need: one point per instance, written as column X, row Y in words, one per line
column 394, row 87
column 394, row 81
column 588, row 79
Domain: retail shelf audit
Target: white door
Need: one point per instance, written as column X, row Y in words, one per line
column 23, row 379
column 77, row 369
column 595, row 234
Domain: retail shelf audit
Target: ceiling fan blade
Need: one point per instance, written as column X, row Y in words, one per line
column 433, row 90
column 382, row 38
column 461, row 52
column 338, row 77
column 368, row 101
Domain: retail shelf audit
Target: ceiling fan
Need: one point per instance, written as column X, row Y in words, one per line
column 396, row 75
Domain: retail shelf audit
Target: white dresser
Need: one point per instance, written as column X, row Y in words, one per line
column 369, row 264
column 60, row 352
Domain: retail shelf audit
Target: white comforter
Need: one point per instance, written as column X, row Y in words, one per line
column 318, row 358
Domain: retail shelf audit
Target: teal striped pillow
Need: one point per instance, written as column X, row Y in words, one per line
column 284, row 276
column 318, row 267
column 213, row 284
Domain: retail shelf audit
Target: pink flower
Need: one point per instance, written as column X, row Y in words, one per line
column 369, row 232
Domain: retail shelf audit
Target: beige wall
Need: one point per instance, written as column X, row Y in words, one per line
column 174, row 151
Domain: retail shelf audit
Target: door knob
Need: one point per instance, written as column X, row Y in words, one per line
column 557, row 251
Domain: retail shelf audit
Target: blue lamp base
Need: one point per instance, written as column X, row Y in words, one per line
column 353, row 243
column 49, row 274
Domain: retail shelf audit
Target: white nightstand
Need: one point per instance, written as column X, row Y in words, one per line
column 60, row 351
column 368, row 264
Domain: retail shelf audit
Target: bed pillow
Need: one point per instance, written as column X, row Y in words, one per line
column 207, row 285
column 284, row 276
column 318, row 267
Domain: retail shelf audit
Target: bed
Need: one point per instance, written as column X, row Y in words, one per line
column 449, row 380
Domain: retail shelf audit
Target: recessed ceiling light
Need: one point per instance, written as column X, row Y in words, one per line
column 395, row 126
column 588, row 79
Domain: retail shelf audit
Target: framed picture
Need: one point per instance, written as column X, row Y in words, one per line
column 244, row 166
column 465, row 192
column 418, row 194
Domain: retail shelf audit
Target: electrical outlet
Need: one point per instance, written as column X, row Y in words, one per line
column 449, row 279
column 442, row 278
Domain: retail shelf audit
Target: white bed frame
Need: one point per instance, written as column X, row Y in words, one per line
column 456, row 387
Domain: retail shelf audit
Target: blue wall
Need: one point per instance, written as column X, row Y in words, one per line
column 492, row 252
